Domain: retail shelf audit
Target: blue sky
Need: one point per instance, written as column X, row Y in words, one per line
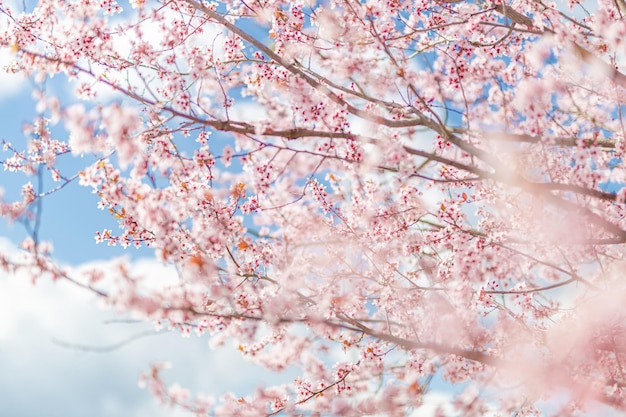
column 40, row 377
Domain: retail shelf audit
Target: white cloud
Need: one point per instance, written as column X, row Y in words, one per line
column 435, row 400
column 11, row 83
column 152, row 34
column 74, row 383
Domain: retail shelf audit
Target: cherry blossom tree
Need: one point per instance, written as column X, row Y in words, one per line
column 432, row 187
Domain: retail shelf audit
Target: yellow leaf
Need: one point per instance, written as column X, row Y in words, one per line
column 197, row 260
column 239, row 190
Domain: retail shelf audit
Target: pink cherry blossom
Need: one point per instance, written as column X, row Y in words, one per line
column 375, row 193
